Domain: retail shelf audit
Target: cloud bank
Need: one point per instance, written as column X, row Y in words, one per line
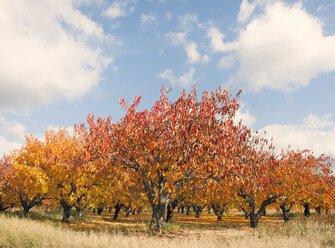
column 283, row 48
column 49, row 50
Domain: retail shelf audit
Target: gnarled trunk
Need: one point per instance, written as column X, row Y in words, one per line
column 219, row 210
column 117, row 210
column 197, row 209
column 158, row 212
column 307, row 211
column 66, row 211
column 29, row 204
column 318, row 210
column 188, row 209
column 255, row 216
column 100, row 210
column 158, row 202
column 79, row 211
column 170, row 208
column 128, row 210
column 246, row 214
column 286, row 211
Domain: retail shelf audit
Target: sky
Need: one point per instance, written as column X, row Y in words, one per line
column 62, row 60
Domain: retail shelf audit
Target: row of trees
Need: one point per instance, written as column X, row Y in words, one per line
column 183, row 152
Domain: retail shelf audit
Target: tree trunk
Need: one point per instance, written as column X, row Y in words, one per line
column 158, row 212
column 286, row 211
column 66, row 211
column 318, row 210
column 188, row 209
column 182, row 209
column 29, row 204
column 117, row 211
column 158, row 199
column 79, row 211
column 198, row 210
column 255, row 216
column 246, row 214
column 170, row 208
column 307, row 211
column 169, row 213
column 128, row 210
column 100, row 210
column 218, row 211
column 25, row 211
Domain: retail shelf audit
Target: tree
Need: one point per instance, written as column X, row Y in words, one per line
column 7, row 199
column 220, row 196
column 298, row 177
column 168, row 145
column 69, row 175
column 255, row 178
column 323, row 191
column 29, row 183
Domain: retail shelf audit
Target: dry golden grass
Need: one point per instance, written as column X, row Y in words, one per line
column 300, row 233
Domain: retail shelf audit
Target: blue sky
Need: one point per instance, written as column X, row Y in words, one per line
column 61, row 60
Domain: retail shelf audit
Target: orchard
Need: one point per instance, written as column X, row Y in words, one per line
column 179, row 154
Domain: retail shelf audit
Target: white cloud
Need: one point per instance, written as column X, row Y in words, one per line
column 190, row 47
column 192, row 53
column 326, row 7
column 216, row 40
column 177, row 38
column 120, row 8
column 282, row 49
column 243, row 115
column 205, row 59
column 12, row 129
column 12, row 136
column 227, row 62
column 7, row 146
column 184, row 81
column 45, row 53
column 314, row 133
column 193, row 56
column 16, row 131
column 314, row 122
column 246, row 10
column 147, row 20
column 168, row 15
column 188, row 22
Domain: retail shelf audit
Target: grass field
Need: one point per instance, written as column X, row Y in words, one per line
column 45, row 230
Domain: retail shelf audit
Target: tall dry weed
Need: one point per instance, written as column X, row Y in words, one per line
column 300, row 233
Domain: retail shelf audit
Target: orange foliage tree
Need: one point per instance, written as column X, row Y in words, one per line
column 29, row 183
column 7, row 196
column 170, row 144
column 301, row 180
column 254, row 176
column 70, row 176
